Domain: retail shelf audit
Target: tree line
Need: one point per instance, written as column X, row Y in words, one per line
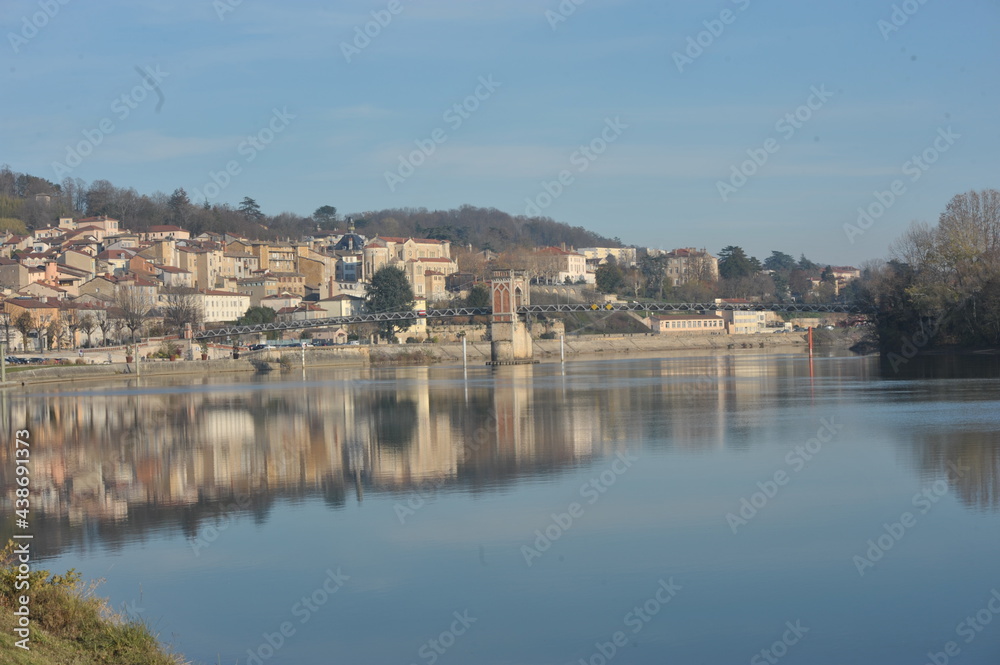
column 482, row 228
column 940, row 285
column 779, row 278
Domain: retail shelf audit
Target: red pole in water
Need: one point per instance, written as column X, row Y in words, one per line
column 810, row 340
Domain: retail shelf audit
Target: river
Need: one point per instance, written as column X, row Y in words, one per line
column 695, row 509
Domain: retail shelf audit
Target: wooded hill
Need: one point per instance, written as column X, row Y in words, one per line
column 28, row 202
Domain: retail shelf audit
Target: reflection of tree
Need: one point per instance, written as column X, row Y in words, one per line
column 970, row 461
column 395, row 419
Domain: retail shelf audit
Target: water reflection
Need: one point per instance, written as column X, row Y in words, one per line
column 968, row 460
column 122, row 465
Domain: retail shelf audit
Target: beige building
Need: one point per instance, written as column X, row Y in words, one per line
column 166, row 232
column 301, row 312
column 427, row 276
column 559, row 265
column 624, row 256
column 381, row 251
column 239, row 264
column 280, row 301
column 13, row 275
column 684, row 265
column 342, row 305
column 175, row 277
column 316, row 268
column 219, row 306
column 709, row 324
column 106, row 224
column 258, row 287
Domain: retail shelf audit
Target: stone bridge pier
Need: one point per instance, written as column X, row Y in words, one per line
column 511, row 342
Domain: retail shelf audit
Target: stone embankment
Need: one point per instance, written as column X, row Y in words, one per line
column 451, row 353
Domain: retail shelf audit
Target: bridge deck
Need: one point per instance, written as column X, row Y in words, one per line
column 531, row 309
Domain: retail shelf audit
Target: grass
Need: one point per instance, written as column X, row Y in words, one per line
column 70, row 625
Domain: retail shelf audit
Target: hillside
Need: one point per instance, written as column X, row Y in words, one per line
column 28, row 202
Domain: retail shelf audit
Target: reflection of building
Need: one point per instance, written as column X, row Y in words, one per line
column 173, row 458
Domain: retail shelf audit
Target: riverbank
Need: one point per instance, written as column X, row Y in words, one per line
column 68, row 624
column 477, row 353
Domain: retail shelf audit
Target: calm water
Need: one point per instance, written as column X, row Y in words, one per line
column 682, row 510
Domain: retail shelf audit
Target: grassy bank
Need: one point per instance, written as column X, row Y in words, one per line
column 69, row 624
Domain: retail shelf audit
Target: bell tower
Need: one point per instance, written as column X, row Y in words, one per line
column 511, row 342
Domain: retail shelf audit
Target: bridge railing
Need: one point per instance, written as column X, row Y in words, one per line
column 303, row 324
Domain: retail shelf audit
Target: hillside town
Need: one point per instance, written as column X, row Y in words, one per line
column 62, row 283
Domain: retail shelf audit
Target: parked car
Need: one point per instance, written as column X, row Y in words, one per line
column 14, row 360
column 259, row 347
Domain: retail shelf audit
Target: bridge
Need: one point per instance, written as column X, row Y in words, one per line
column 511, row 304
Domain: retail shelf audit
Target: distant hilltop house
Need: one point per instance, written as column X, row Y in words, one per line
column 559, row 265
column 625, row 257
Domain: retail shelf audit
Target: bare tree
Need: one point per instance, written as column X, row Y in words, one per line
column 134, row 306
column 182, row 307
column 52, row 329
column 87, row 326
column 6, row 323
column 71, row 321
column 24, row 324
column 106, row 324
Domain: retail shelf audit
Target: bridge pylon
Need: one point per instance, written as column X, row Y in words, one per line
column 510, row 341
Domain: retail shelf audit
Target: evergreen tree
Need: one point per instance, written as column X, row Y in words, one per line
column 390, row 291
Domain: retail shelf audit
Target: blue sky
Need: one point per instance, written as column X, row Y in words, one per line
column 225, row 67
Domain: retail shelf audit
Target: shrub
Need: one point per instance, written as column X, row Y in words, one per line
column 66, row 608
